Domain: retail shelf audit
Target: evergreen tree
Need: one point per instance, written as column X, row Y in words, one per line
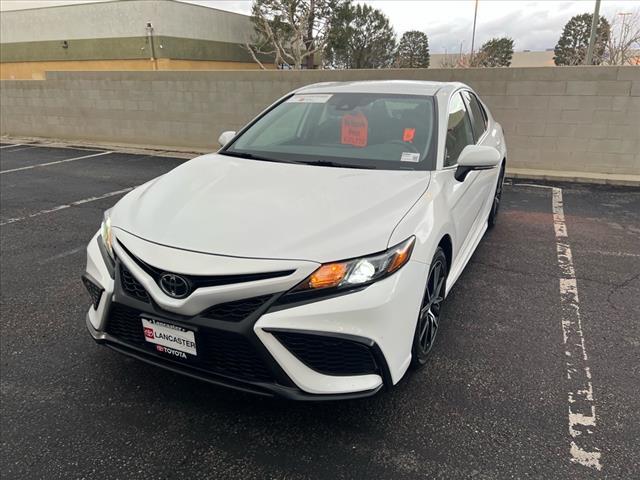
column 496, row 52
column 574, row 41
column 360, row 37
column 413, row 50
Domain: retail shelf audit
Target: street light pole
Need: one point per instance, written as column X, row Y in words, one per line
column 624, row 27
column 594, row 29
column 473, row 35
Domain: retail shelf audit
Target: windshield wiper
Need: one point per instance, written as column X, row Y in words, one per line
column 252, row 156
column 327, row 163
column 321, row 163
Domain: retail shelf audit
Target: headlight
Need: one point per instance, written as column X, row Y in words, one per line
column 359, row 271
column 105, row 232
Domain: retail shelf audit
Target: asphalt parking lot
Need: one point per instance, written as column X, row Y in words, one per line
column 493, row 402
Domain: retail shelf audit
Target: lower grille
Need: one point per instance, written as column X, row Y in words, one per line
column 230, row 354
column 124, row 323
column 329, row 355
column 219, row 351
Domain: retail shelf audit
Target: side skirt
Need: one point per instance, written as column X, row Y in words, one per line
column 464, row 258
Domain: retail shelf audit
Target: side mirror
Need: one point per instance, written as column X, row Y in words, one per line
column 476, row 157
column 226, row 137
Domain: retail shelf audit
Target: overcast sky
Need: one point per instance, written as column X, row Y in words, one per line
column 534, row 25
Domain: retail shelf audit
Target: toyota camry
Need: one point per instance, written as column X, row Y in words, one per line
column 312, row 255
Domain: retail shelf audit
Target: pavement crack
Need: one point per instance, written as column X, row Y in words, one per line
column 579, row 278
column 616, row 287
column 514, row 270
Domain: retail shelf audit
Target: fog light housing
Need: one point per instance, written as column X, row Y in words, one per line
column 95, row 291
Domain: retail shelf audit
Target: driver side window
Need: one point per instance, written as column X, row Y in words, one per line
column 282, row 129
column 459, row 131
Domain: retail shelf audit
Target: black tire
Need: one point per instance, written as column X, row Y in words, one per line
column 430, row 310
column 497, row 197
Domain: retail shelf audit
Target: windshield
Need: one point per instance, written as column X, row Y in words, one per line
column 357, row 130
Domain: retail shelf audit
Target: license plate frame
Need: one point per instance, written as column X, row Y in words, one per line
column 169, row 338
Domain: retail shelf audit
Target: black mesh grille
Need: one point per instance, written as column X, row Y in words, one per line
column 131, row 286
column 329, row 355
column 95, row 292
column 231, row 354
column 219, row 351
column 237, row 310
column 124, row 323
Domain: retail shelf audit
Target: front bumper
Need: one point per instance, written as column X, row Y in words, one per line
column 264, row 389
column 376, row 322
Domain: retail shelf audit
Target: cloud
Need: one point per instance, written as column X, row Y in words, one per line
column 534, row 25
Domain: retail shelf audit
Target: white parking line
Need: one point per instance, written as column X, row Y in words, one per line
column 582, row 408
column 581, row 403
column 68, row 205
column 62, row 255
column 24, row 147
column 29, row 167
column 612, row 254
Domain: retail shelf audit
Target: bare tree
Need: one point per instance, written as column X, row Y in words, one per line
column 623, row 46
column 290, row 32
column 455, row 60
column 462, row 60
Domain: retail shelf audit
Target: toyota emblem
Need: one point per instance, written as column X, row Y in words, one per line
column 174, row 285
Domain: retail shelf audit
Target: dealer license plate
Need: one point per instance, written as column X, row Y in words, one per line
column 170, row 339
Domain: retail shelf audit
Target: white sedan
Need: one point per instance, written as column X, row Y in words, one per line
column 310, row 257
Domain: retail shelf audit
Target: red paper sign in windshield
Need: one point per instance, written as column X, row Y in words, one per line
column 355, row 129
column 408, row 134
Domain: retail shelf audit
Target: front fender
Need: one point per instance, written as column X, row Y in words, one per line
column 427, row 222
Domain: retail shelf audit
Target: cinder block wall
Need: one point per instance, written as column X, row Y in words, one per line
column 579, row 119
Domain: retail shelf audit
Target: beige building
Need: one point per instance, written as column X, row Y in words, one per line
column 520, row 59
column 122, row 35
column 526, row 58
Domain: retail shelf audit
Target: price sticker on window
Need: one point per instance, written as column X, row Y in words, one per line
column 355, row 130
column 410, row 157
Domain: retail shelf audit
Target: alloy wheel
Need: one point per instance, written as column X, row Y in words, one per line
column 429, row 319
column 498, row 195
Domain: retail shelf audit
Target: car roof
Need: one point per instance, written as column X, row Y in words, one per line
column 383, row 86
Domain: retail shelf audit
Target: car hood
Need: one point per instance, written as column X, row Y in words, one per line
column 248, row 208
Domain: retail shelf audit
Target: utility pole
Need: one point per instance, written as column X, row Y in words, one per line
column 594, row 30
column 473, row 35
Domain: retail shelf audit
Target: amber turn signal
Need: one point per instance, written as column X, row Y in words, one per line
column 329, row 275
column 401, row 256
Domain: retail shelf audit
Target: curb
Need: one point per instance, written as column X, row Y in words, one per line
column 189, row 153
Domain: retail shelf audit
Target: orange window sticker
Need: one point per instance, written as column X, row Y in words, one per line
column 355, row 130
column 408, row 134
